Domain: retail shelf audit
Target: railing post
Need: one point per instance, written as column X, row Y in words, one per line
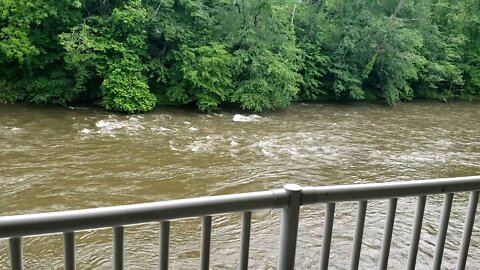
column 467, row 230
column 417, row 228
column 15, row 253
column 327, row 235
column 442, row 231
column 245, row 241
column 164, row 244
column 205, row 242
column 69, row 250
column 357, row 238
column 289, row 228
column 387, row 234
column 118, row 247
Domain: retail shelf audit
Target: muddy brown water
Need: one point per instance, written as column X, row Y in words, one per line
column 54, row 158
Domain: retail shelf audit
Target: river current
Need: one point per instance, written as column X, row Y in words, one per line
column 54, row 158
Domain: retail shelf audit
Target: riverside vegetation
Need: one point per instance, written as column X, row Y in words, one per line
column 130, row 55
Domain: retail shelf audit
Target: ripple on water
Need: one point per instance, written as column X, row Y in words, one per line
column 60, row 159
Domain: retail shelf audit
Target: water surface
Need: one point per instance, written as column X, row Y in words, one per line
column 54, row 158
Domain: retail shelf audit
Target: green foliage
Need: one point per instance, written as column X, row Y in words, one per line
column 111, row 50
column 469, row 18
column 311, row 31
column 264, row 80
column 265, row 56
column 130, row 55
column 202, row 75
column 125, row 88
column 31, row 64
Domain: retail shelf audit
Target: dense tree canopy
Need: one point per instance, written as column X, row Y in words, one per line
column 130, row 55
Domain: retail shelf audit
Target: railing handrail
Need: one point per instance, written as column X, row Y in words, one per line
column 290, row 198
column 92, row 218
column 374, row 191
column 102, row 217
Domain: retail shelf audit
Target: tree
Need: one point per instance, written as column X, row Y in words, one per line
column 111, row 49
column 130, row 55
column 202, row 75
column 266, row 59
column 31, row 58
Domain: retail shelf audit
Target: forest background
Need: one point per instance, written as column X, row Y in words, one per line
column 131, row 55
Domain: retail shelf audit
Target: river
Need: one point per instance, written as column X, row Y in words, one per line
column 54, row 158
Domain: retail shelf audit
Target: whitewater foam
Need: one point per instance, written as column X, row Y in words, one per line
column 246, row 118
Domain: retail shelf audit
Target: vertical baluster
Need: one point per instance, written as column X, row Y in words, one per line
column 387, row 235
column 69, row 250
column 357, row 238
column 467, row 230
column 118, row 247
column 442, row 231
column 15, row 253
column 417, row 228
column 327, row 235
column 289, row 228
column 164, row 244
column 206, row 238
column 245, row 241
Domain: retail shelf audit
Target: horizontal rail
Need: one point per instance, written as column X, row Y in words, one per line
column 67, row 221
column 54, row 222
column 359, row 192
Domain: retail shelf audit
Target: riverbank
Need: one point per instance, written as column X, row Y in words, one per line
column 235, row 108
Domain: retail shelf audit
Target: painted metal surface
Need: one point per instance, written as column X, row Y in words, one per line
column 288, row 199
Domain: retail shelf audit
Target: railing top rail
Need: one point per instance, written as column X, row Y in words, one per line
column 360, row 192
column 65, row 221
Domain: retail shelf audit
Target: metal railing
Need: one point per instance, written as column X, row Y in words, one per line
column 288, row 199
